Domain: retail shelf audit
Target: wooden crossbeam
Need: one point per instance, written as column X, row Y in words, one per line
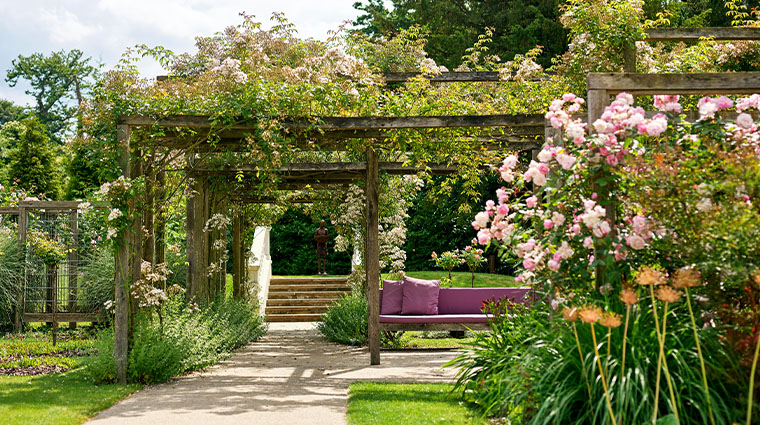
column 700, row 83
column 347, row 123
column 694, row 34
column 330, row 170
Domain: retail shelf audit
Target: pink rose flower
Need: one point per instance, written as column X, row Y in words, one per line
column 548, row 224
column 529, row 264
column 531, row 202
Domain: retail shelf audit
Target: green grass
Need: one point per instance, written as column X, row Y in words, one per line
column 463, row 279
column 35, row 348
column 60, row 399
column 416, row 339
column 372, row 403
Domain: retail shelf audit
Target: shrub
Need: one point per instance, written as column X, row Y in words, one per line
column 185, row 339
column 345, row 322
column 529, row 370
column 10, row 278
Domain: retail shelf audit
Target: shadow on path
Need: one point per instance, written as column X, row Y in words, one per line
column 291, row 376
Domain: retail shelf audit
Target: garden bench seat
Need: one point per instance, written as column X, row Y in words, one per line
column 458, row 309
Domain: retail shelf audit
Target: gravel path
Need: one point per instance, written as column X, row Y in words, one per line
column 292, row 376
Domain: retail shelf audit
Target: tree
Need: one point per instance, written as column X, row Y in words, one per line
column 31, row 162
column 10, row 111
column 56, row 81
column 454, row 26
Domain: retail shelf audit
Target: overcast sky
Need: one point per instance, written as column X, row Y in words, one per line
column 103, row 29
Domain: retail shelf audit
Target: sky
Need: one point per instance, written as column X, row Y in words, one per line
column 103, row 29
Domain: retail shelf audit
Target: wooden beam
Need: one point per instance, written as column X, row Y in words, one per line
column 346, row 123
column 372, row 255
column 61, row 317
column 701, row 83
column 695, row 34
column 121, row 279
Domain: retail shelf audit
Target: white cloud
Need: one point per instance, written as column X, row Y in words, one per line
column 103, row 29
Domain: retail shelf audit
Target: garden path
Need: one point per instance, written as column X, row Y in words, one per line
column 292, row 376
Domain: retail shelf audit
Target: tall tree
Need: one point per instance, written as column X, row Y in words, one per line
column 32, row 163
column 454, row 25
column 9, row 111
column 58, row 83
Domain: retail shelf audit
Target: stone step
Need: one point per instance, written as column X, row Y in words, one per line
column 294, row 318
column 332, row 294
column 306, row 280
column 309, row 287
column 301, row 301
column 290, row 309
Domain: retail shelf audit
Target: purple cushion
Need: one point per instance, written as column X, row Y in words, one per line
column 420, row 296
column 392, row 295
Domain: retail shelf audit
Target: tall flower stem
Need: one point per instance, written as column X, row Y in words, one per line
column 622, row 362
column 583, row 362
column 701, row 359
column 668, row 379
column 659, row 357
column 752, row 382
column 604, row 380
column 609, row 344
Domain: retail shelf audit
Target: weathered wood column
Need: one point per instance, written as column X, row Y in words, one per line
column 121, row 278
column 196, row 269
column 160, row 218
column 148, row 218
column 237, row 256
column 597, row 101
column 23, row 220
column 372, row 256
column 73, row 263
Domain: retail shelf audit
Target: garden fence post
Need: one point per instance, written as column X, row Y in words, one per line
column 121, row 307
column 73, row 263
column 372, row 256
column 629, row 57
column 597, row 101
column 22, row 226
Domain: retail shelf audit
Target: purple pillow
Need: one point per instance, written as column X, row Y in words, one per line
column 420, row 296
column 392, row 294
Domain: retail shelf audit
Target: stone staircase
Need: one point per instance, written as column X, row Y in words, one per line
column 302, row 299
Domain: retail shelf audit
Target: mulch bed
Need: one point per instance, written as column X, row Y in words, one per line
column 32, row 370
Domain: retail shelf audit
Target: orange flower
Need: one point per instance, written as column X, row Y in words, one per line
column 756, row 277
column 668, row 294
column 611, row 320
column 650, row 276
column 590, row 314
column 570, row 314
column 687, row 277
column 629, row 296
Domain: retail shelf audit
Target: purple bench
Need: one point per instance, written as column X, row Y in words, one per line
column 458, row 309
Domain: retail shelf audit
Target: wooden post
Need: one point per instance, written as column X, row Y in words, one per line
column 160, row 219
column 196, row 270
column 372, row 256
column 148, row 240
column 237, row 260
column 629, row 57
column 73, row 264
column 597, row 101
column 121, row 278
column 22, row 227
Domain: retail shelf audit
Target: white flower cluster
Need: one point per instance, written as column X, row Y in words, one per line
column 217, row 222
column 229, row 68
column 146, row 290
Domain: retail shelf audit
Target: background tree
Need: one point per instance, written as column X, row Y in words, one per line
column 9, row 111
column 31, row 163
column 453, row 26
column 59, row 83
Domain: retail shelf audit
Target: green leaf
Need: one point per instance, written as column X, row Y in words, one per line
column 667, row 420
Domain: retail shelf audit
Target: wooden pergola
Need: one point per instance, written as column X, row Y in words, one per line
column 514, row 132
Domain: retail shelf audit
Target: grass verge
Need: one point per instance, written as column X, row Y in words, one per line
column 372, row 403
column 435, row 340
column 60, row 399
column 464, row 279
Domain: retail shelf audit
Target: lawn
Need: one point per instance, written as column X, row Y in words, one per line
column 431, row 340
column 463, row 279
column 60, row 399
column 55, row 398
column 372, row 403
